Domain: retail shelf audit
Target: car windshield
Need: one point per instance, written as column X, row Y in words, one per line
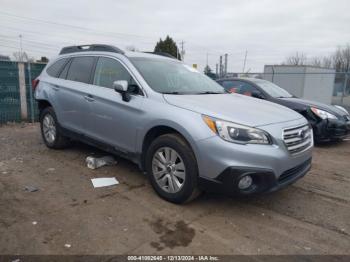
column 173, row 77
column 272, row 89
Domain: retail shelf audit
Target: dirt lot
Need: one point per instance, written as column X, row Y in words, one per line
column 310, row 217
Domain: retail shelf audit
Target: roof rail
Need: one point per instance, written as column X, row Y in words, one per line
column 161, row 54
column 94, row 47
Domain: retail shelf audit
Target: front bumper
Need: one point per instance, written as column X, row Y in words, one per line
column 264, row 180
column 222, row 163
column 329, row 129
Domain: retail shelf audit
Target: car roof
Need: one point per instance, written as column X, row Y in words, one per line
column 249, row 79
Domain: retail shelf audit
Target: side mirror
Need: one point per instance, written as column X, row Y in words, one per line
column 257, row 94
column 121, row 86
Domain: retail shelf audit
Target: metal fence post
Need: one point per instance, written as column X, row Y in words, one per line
column 30, row 93
column 22, row 91
column 344, row 88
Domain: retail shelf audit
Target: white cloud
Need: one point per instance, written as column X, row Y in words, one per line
column 269, row 29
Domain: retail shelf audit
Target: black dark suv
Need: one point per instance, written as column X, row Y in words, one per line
column 328, row 122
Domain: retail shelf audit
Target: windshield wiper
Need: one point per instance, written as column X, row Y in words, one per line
column 171, row 93
column 210, row 93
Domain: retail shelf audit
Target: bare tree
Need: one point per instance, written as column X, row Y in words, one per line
column 327, row 62
column 341, row 59
column 296, row 59
column 22, row 57
column 131, row 48
column 316, row 61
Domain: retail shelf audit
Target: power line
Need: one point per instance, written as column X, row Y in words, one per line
column 72, row 26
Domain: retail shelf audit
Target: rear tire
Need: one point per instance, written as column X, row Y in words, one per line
column 50, row 130
column 172, row 169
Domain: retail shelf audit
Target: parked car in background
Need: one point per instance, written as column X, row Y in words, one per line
column 177, row 124
column 328, row 122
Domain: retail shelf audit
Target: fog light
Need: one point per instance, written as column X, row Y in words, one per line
column 245, row 182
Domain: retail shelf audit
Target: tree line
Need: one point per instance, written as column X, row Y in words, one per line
column 339, row 60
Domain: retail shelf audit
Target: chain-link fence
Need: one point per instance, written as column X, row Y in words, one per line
column 11, row 104
column 326, row 86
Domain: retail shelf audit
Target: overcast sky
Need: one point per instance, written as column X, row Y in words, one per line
column 270, row 30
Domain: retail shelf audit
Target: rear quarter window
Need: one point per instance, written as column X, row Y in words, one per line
column 54, row 69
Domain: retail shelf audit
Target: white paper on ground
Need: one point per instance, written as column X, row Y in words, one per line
column 104, row 181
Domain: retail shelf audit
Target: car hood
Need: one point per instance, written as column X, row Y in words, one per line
column 235, row 108
column 295, row 102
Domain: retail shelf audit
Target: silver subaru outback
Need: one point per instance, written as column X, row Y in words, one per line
column 178, row 125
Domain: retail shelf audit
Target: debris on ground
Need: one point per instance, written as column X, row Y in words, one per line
column 34, row 223
column 31, row 188
column 104, row 181
column 51, row 169
column 96, row 162
column 67, row 245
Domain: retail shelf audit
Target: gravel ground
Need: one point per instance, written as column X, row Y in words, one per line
column 68, row 216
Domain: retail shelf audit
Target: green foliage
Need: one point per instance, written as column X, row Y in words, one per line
column 167, row 46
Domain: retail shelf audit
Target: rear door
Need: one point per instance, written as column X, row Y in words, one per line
column 114, row 121
column 72, row 96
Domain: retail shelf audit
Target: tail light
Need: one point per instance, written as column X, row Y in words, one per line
column 35, row 83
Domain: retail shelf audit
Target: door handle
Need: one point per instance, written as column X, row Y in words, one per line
column 89, row 98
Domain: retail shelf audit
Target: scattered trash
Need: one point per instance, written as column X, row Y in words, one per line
column 307, row 248
column 31, row 188
column 34, row 223
column 67, row 245
column 263, row 214
column 4, row 172
column 125, row 229
column 16, row 260
column 51, row 169
column 104, row 181
column 96, row 162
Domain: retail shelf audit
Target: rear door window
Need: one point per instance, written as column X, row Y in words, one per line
column 54, row 69
column 80, row 69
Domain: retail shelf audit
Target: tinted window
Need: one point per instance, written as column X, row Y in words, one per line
column 64, row 72
column 80, row 69
column 109, row 70
column 239, row 87
column 272, row 89
column 56, row 67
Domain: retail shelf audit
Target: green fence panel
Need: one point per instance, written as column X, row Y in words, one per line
column 35, row 69
column 10, row 106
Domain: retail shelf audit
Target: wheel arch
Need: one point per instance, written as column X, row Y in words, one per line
column 161, row 129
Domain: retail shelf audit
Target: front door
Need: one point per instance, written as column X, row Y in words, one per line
column 114, row 121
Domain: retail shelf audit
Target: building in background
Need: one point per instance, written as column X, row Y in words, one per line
column 308, row 82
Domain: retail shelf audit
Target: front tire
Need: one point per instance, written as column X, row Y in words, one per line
column 172, row 168
column 50, row 130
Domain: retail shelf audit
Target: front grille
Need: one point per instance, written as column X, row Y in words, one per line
column 293, row 172
column 297, row 139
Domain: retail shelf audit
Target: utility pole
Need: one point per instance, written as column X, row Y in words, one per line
column 245, row 60
column 220, row 67
column 207, row 58
column 225, row 71
column 20, row 49
column 217, row 69
column 182, row 43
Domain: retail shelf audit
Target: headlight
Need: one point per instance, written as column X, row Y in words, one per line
column 343, row 109
column 237, row 133
column 322, row 114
